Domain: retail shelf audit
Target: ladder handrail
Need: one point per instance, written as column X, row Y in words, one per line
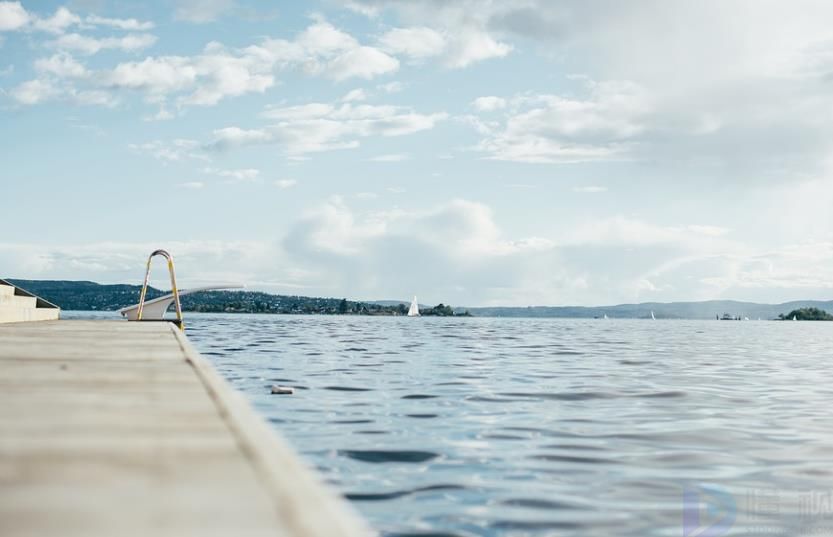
column 174, row 290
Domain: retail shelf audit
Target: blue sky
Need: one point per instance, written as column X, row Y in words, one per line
column 470, row 152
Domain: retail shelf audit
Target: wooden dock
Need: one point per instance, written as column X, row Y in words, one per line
column 118, row 429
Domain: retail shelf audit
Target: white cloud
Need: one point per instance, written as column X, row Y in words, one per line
column 324, row 50
column 776, row 35
column 229, row 137
column 361, row 62
column 49, row 88
column 121, row 24
column 334, row 248
column 299, row 112
column 456, row 32
column 91, row 45
column 554, row 128
column 331, row 229
column 624, row 121
column 610, row 34
column 163, row 114
column 216, row 74
column 192, row 185
column 747, row 106
column 361, row 8
column 59, row 22
column 156, row 76
column 357, row 94
column 92, row 98
column 375, row 251
column 419, row 42
column 471, row 45
column 61, row 65
column 322, row 127
column 285, row 183
column 225, row 75
column 12, row 16
column 210, row 77
column 325, row 39
column 489, row 103
column 34, row 92
column 391, row 87
column 219, row 72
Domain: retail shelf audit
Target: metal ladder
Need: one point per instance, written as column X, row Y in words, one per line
column 179, row 322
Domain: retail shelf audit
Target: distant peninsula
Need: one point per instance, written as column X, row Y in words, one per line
column 91, row 296
column 807, row 314
column 86, row 296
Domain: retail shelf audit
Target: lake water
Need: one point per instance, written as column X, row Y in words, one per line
column 485, row 426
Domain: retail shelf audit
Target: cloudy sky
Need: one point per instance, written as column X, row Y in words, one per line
column 472, row 152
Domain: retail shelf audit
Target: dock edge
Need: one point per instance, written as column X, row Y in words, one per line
column 307, row 505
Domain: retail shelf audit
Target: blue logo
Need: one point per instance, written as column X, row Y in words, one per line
column 708, row 511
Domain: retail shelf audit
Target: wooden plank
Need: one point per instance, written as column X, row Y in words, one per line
column 122, row 429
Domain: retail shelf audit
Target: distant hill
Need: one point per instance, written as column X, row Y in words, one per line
column 84, row 295
column 91, row 296
column 662, row 310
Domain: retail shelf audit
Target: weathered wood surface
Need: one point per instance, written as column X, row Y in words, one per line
column 121, row 429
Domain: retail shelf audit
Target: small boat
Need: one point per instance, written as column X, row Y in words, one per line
column 794, row 319
column 653, row 316
column 413, row 311
column 605, row 316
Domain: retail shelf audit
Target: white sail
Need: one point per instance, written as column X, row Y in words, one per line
column 652, row 315
column 605, row 315
column 413, row 311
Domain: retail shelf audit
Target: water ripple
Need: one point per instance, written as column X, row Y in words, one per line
column 381, row 496
column 536, row 427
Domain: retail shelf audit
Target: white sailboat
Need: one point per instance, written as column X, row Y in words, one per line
column 794, row 319
column 605, row 315
column 413, row 311
column 652, row 315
